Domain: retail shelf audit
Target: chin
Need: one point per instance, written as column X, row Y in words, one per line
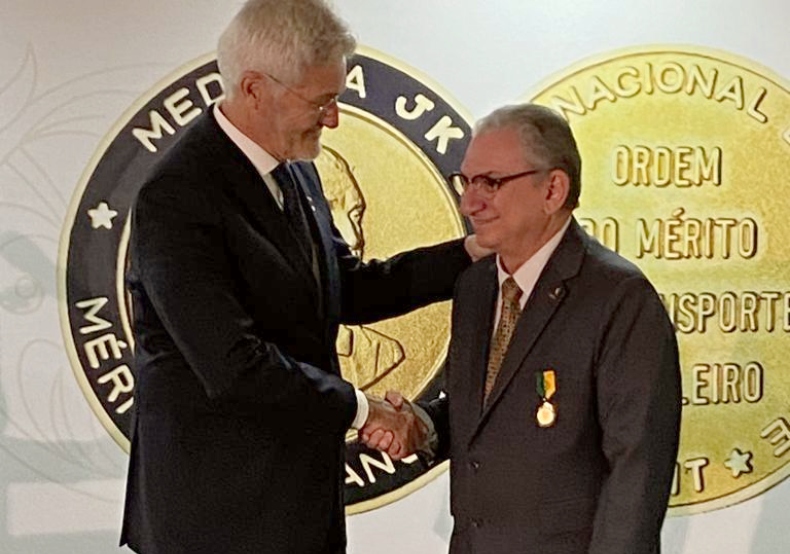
column 485, row 239
column 307, row 151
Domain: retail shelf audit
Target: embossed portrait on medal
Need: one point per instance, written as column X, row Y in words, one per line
column 365, row 354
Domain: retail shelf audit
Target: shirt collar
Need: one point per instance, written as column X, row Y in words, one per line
column 260, row 158
column 527, row 274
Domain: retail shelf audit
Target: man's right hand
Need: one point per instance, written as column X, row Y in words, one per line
column 393, row 427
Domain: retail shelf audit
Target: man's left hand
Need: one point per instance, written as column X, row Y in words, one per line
column 474, row 249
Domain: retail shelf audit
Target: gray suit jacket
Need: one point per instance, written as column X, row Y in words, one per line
column 596, row 481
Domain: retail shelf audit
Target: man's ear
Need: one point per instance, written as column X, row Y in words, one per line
column 252, row 88
column 557, row 191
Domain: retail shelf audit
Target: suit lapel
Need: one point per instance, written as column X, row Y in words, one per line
column 543, row 302
column 482, row 308
column 546, row 298
column 246, row 187
column 319, row 218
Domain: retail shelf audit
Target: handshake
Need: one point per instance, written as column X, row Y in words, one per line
column 394, row 427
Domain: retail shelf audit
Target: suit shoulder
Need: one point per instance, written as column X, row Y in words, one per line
column 184, row 181
column 476, row 273
column 609, row 264
column 615, row 279
column 191, row 155
column 191, row 165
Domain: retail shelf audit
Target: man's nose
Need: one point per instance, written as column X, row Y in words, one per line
column 471, row 202
column 331, row 116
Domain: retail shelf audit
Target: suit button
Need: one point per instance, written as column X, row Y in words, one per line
column 477, row 524
column 475, row 465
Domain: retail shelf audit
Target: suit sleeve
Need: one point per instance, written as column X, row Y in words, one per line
column 639, row 403
column 382, row 289
column 378, row 289
column 179, row 251
column 438, row 410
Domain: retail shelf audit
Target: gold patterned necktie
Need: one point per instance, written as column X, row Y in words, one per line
column 511, row 309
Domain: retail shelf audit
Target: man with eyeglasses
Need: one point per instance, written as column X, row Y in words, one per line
column 238, row 282
column 562, row 407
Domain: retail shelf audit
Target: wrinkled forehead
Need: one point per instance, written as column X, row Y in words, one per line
column 492, row 150
column 322, row 78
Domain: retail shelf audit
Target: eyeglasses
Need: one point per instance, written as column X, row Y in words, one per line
column 320, row 108
column 483, row 184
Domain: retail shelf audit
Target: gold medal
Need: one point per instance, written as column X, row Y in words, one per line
column 546, row 414
column 546, row 386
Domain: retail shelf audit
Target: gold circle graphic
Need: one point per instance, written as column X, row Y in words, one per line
column 686, row 153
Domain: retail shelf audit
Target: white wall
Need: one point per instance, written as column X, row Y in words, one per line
column 68, row 70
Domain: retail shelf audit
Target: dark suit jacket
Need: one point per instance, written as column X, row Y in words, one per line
column 598, row 480
column 241, row 413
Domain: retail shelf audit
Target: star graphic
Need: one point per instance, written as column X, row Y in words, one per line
column 738, row 462
column 101, row 216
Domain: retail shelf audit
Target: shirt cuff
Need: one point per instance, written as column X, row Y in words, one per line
column 362, row 410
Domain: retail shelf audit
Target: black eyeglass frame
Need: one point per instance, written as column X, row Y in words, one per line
column 485, row 184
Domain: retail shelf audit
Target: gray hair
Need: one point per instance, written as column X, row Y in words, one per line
column 544, row 134
column 281, row 37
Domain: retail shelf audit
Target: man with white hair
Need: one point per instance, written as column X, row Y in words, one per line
column 563, row 392
column 239, row 281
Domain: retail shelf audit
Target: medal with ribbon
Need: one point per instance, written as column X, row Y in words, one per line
column 546, row 386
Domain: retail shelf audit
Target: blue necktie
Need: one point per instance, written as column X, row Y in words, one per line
column 293, row 208
column 295, row 213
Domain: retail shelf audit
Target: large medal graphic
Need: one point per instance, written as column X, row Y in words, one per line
column 686, row 151
column 384, row 174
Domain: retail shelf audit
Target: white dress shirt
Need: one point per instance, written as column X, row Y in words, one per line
column 528, row 273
